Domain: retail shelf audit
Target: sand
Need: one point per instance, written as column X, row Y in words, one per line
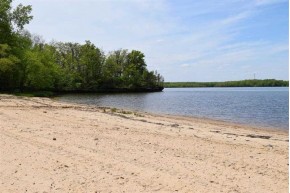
column 49, row 146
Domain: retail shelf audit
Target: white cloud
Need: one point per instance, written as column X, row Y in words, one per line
column 268, row 2
column 185, row 65
column 236, row 18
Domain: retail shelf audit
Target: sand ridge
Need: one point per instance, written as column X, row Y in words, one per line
column 51, row 146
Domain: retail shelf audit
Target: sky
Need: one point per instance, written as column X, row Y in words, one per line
column 185, row 40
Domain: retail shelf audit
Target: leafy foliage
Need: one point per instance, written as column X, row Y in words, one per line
column 28, row 63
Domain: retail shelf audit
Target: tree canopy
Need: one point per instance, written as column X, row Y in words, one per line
column 28, row 63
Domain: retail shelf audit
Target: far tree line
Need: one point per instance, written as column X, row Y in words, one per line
column 240, row 83
column 28, row 63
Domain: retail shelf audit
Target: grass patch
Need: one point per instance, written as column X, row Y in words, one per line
column 138, row 115
column 126, row 112
column 113, row 110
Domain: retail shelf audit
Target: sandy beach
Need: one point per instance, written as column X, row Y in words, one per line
column 50, row 146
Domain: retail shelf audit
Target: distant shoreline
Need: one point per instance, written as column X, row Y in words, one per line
column 240, row 83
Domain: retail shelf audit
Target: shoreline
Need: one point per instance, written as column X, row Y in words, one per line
column 221, row 122
column 188, row 117
column 52, row 146
column 205, row 120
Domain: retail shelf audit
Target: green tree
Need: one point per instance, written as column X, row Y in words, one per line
column 91, row 60
column 7, row 67
column 137, row 59
column 136, row 67
column 12, row 42
column 12, row 20
column 114, row 67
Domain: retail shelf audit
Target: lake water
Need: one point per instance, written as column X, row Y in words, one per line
column 261, row 107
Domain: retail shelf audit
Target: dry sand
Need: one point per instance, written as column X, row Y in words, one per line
column 48, row 146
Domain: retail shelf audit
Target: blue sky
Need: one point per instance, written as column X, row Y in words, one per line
column 185, row 40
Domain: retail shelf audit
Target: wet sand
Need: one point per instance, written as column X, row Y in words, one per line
column 51, row 146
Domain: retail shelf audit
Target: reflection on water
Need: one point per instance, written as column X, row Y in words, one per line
column 265, row 107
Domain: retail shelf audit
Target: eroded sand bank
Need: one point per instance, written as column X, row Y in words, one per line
column 48, row 146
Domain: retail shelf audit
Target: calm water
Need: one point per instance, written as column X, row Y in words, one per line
column 263, row 107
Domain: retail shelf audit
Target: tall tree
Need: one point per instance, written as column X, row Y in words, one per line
column 136, row 58
column 135, row 69
column 114, row 67
column 12, row 42
column 91, row 59
column 12, row 20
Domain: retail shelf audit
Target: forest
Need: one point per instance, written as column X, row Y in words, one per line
column 28, row 63
column 240, row 83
